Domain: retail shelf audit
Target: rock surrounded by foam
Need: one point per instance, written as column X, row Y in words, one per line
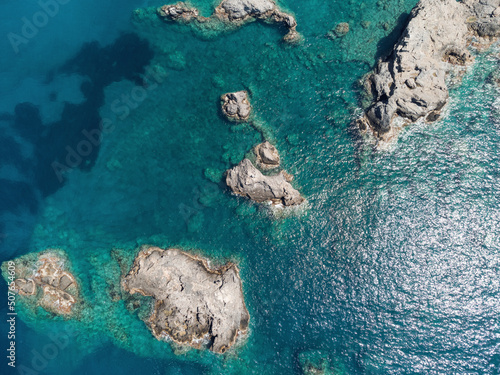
column 411, row 83
column 246, row 180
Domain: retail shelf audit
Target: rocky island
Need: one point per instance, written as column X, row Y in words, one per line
column 246, row 180
column 193, row 303
column 411, row 83
column 235, row 13
column 45, row 278
column 236, row 106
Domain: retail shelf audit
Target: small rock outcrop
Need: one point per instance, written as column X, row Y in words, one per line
column 236, row 12
column 266, row 155
column 411, row 83
column 179, row 12
column 46, row 277
column 192, row 302
column 235, row 106
column 339, row 31
column 246, row 180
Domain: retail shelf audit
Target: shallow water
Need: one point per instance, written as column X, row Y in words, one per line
column 392, row 268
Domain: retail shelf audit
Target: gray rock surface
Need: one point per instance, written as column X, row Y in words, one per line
column 179, row 11
column 267, row 157
column 244, row 179
column 236, row 12
column 411, row 82
column 241, row 9
column 235, row 106
column 267, row 10
column 192, row 301
column 485, row 20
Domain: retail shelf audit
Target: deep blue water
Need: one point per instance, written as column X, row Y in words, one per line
column 392, row 268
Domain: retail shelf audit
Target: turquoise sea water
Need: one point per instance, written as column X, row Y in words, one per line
column 391, row 268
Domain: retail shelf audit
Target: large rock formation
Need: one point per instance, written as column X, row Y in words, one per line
column 244, row 179
column 267, row 157
column 411, row 83
column 235, row 106
column 45, row 277
column 235, row 12
column 192, row 301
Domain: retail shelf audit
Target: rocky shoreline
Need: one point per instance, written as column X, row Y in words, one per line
column 46, row 279
column 193, row 303
column 411, row 83
column 235, row 13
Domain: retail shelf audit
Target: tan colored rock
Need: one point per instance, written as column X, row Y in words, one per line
column 236, row 12
column 193, row 302
column 246, row 180
column 25, row 287
column 46, row 277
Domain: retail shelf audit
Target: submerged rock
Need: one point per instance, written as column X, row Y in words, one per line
column 267, row 156
column 339, row 31
column 246, row 180
column 411, row 83
column 316, row 362
column 236, row 12
column 45, row 277
column 235, row 106
column 192, row 301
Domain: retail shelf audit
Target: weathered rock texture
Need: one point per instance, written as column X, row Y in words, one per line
column 411, row 82
column 485, row 18
column 236, row 12
column 192, row 301
column 179, row 12
column 47, row 278
column 235, row 106
column 267, row 156
column 244, row 179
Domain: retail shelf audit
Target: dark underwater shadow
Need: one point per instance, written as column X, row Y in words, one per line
column 126, row 58
column 385, row 48
column 386, row 44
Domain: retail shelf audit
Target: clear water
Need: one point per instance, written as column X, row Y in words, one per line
column 391, row 269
